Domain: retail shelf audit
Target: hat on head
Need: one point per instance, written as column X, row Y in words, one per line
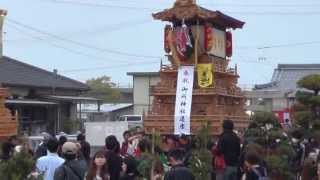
column 69, row 148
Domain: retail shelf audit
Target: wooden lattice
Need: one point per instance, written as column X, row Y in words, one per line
column 222, row 100
column 8, row 122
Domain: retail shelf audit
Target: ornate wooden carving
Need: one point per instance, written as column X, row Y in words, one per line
column 8, row 123
column 222, row 100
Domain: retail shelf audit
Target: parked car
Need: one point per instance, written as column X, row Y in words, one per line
column 133, row 120
column 34, row 141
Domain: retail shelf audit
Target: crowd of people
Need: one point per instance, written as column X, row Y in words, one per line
column 232, row 158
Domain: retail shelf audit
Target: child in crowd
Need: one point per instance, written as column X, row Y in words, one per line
column 255, row 170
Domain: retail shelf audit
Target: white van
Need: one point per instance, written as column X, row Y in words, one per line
column 133, row 120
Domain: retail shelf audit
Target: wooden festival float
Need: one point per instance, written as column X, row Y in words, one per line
column 201, row 38
column 8, row 122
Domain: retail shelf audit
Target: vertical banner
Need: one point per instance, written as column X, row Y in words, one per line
column 183, row 100
column 284, row 117
column 228, row 44
column 205, row 75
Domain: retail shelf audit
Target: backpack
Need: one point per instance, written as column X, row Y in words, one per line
column 65, row 167
column 263, row 176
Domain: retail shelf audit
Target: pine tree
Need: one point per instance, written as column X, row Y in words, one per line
column 307, row 108
column 200, row 162
column 265, row 131
column 18, row 167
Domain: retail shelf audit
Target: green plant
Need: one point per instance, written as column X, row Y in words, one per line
column 145, row 165
column 200, row 161
column 278, row 167
column 265, row 131
column 69, row 126
column 18, row 167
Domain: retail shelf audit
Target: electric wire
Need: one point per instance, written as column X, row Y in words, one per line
column 70, row 49
column 81, row 44
column 106, row 29
column 107, row 67
column 270, row 13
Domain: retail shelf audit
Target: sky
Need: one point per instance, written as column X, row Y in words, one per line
column 86, row 39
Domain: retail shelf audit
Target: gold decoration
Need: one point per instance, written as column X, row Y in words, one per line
column 205, row 75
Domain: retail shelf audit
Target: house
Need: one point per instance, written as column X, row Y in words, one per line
column 126, row 95
column 106, row 111
column 43, row 100
column 279, row 94
column 142, row 83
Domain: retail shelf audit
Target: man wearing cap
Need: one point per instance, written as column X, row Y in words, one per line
column 72, row 169
column 49, row 163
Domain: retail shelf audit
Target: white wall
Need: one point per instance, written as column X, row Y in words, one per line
column 141, row 92
column 279, row 104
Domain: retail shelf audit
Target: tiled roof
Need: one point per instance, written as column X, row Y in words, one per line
column 143, row 73
column 125, row 90
column 17, row 73
column 191, row 11
column 286, row 76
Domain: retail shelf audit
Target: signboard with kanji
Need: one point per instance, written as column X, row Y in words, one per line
column 183, row 100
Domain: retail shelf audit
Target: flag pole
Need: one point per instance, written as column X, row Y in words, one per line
column 196, row 44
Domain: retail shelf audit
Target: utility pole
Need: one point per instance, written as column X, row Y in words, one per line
column 3, row 14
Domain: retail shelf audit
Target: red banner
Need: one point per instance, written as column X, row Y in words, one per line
column 229, row 44
column 208, row 37
column 284, row 117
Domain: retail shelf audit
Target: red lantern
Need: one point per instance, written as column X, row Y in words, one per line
column 228, row 44
column 167, row 29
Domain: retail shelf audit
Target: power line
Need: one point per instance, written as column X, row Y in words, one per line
column 269, row 13
column 201, row 4
column 66, row 48
column 274, row 13
column 295, row 44
column 81, row 44
column 105, row 29
column 106, row 67
column 105, row 5
column 262, row 5
column 290, row 45
column 55, row 45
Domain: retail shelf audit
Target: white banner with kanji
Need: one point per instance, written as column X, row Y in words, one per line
column 183, row 100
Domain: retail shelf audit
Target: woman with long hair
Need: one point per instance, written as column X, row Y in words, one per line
column 98, row 169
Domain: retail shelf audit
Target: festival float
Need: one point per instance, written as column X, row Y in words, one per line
column 197, row 85
column 8, row 122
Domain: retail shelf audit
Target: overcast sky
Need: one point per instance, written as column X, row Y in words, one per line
column 90, row 38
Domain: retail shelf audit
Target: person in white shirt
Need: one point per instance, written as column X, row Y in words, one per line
column 47, row 164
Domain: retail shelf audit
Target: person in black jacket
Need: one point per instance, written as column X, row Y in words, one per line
column 113, row 157
column 229, row 146
column 178, row 170
column 85, row 147
column 71, row 169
